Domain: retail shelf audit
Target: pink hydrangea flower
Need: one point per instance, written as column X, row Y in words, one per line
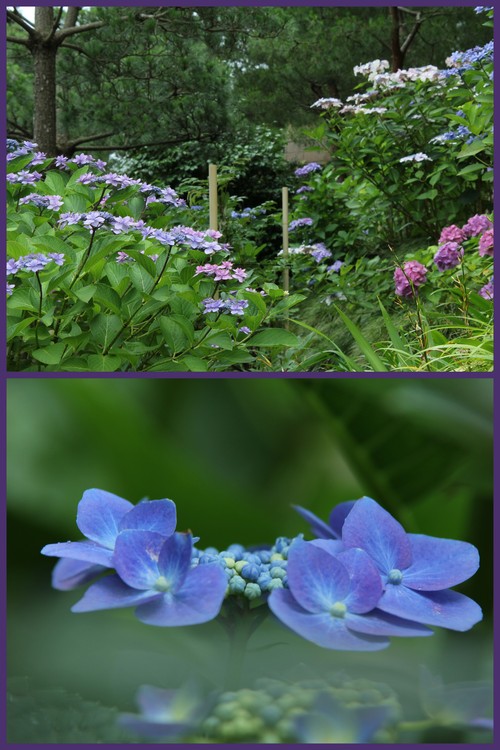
column 486, row 243
column 408, row 278
column 451, row 234
column 477, row 224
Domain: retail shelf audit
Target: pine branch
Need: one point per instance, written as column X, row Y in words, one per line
column 65, row 32
column 16, row 17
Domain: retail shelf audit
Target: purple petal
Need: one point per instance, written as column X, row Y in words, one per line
column 151, row 515
column 338, row 516
column 322, row 629
column 99, row 514
column 447, row 609
column 68, row 574
column 175, row 559
column 136, row 557
column 439, row 563
column 373, row 529
column 85, row 551
column 332, row 546
column 316, row 578
column 112, row 593
column 199, row 600
column 380, row 623
column 318, row 527
column 365, row 581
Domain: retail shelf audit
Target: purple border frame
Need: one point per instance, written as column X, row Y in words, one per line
column 3, row 374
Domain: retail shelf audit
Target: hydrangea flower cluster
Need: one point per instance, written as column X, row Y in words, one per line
column 52, row 202
column 34, row 262
column 234, row 306
column 297, row 223
column 448, row 256
column 408, row 278
column 307, row 169
column 348, row 589
column 415, row 157
column 247, row 213
column 24, row 177
column 487, row 290
column 458, row 62
column 222, row 272
column 486, row 243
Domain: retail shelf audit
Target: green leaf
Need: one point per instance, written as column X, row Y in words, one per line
column 15, row 327
column 174, row 334
column 85, row 293
column 74, row 203
column 104, row 363
column 221, row 339
column 396, row 339
column 194, row 364
column 107, row 297
column 136, row 206
column 363, row 344
column 50, row 355
column 140, row 278
column 17, row 248
column 428, row 195
column 273, row 337
column 55, row 182
column 104, row 328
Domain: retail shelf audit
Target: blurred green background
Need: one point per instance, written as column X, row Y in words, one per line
column 234, row 455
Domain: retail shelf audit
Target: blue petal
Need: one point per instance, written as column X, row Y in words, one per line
column 175, row 559
column 380, row 623
column 439, row 563
column 322, row 629
column 111, row 593
column 373, row 529
column 85, row 551
column 99, row 514
column 316, row 579
column 318, row 527
column 68, row 574
column 447, row 609
column 199, row 600
column 151, row 515
column 366, row 583
column 338, row 516
column 332, row 546
column 136, row 557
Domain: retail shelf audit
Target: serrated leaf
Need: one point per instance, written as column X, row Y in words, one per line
column 85, row 293
column 273, row 337
column 107, row 297
column 140, row 278
column 50, row 355
column 104, row 328
column 174, row 334
column 103, row 363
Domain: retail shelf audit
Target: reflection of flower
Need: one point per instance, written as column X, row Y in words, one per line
column 167, row 713
column 101, row 516
column 332, row 598
column 460, row 703
column 332, row 722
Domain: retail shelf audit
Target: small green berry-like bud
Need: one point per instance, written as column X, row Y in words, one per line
column 240, row 565
column 276, row 556
column 229, row 562
column 252, row 591
column 275, row 583
column 278, row 573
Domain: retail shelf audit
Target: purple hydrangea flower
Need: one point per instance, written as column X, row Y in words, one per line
column 304, row 189
column 69, row 219
column 409, row 278
column 307, row 169
column 61, row 162
column 94, row 219
column 332, row 599
column 486, row 243
column 320, row 252
column 82, row 159
column 213, row 305
column 239, row 274
column 123, row 224
column 10, row 288
column 417, row 570
column 58, row 258
column 12, row 266
column 451, row 234
column 332, row 529
column 448, row 256
column 335, row 267
column 245, row 329
column 477, row 224
column 236, row 306
column 34, row 262
column 305, row 222
column 100, row 517
column 24, row 177
column 38, row 158
column 155, row 575
column 487, row 290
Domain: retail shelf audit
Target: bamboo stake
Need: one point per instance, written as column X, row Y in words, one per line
column 286, row 270
column 212, row 195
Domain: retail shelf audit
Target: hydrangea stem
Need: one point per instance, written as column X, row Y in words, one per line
column 240, row 622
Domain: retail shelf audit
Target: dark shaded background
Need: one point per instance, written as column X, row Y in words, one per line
column 234, row 455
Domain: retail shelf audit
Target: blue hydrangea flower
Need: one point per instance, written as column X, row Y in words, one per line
column 332, row 599
column 167, row 714
column 417, row 570
column 100, row 517
column 332, row 722
column 155, row 575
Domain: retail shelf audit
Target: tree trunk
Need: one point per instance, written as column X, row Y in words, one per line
column 397, row 52
column 44, row 52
